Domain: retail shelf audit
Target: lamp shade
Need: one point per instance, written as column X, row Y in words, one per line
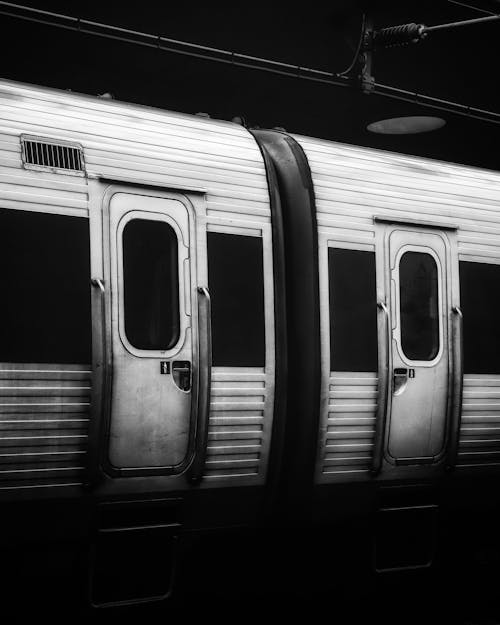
column 406, row 125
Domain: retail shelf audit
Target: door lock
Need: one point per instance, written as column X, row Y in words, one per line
column 181, row 372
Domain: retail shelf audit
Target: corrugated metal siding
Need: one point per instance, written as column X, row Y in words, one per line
column 479, row 440
column 152, row 146
column 237, row 422
column 44, row 415
column 38, row 191
column 352, row 185
column 350, row 426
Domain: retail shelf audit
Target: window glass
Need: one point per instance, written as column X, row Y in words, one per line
column 150, row 284
column 480, row 302
column 236, row 283
column 353, row 310
column 45, row 285
column 419, row 306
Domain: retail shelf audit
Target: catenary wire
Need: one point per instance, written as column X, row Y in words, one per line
column 358, row 49
column 470, row 6
column 478, row 20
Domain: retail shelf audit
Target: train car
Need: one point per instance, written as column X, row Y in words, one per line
column 128, row 405
column 392, row 344
column 212, row 335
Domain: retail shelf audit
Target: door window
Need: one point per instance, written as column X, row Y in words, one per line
column 419, row 308
column 150, row 284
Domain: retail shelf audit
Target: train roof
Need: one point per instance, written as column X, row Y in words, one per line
column 68, row 115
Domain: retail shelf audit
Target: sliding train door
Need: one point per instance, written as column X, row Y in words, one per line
column 151, row 274
column 417, row 286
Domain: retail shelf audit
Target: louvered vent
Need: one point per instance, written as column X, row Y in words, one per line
column 53, row 155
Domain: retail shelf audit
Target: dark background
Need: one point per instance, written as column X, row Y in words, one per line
column 459, row 65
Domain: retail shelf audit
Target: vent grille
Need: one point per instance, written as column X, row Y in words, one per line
column 47, row 154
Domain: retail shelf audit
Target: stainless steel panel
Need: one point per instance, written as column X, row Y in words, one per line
column 44, row 414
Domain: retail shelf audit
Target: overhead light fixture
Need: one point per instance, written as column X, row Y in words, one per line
column 406, row 125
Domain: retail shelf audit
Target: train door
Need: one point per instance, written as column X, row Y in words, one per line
column 418, row 295
column 151, row 275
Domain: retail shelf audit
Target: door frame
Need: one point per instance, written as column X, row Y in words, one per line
column 101, row 191
column 382, row 460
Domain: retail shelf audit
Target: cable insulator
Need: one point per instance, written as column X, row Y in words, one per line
column 398, row 35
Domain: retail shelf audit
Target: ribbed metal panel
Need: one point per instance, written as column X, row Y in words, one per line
column 146, row 144
column 350, row 425
column 44, row 414
column 352, row 184
column 237, row 425
column 479, row 441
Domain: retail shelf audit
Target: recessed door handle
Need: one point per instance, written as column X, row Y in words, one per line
column 399, row 380
column 181, row 371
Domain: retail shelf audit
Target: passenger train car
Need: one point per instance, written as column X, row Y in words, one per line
column 214, row 339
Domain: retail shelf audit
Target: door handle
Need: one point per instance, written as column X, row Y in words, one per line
column 399, row 380
column 457, row 386
column 204, row 384
column 383, row 389
column 100, row 385
column 181, row 370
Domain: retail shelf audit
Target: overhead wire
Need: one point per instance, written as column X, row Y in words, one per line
column 238, row 59
column 358, row 49
column 437, row 103
column 478, row 20
column 175, row 46
column 470, row 6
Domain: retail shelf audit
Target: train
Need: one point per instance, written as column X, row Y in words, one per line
column 223, row 348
